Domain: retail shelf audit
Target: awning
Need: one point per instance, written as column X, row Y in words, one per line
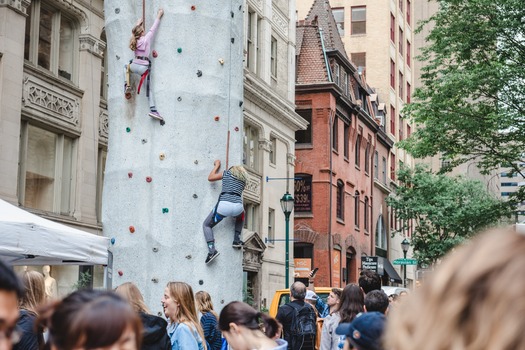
column 388, row 270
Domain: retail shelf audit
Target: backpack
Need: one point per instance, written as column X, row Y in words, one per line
column 304, row 326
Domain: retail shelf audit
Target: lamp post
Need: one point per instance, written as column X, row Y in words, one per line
column 405, row 245
column 287, row 204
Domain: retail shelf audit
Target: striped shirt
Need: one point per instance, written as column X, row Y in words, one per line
column 231, row 188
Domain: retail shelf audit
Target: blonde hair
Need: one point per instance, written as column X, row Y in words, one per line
column 473, row 301
column 34, row 291
column 136, row 34
column 204, row 303
column 132, row 294
column 186, row 311
column 239, row 173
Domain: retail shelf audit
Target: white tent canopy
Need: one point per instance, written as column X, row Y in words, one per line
column 28, row 239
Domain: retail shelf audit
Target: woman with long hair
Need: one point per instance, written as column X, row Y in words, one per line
column 154, row 334
column 352, row 302
column 34, row 296
column 229, row 204
column 209, row 320
column 241, row 326
column 91, row 319
column 184, row 329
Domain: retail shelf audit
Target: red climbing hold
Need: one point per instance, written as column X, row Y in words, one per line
column 236, row 128
column 193, row 7
column 120, row 272
column 148, row 179
column 130, row 175
column 154, row 54
column 132, row 229
column 217, row 118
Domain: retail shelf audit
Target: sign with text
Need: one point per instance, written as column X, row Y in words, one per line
column 336, row 268
column 303, row 266
column 369, row 263
column 303, row 193
column 402, row 261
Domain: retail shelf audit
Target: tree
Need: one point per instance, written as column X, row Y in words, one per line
column 442, row 211
column 471, row 103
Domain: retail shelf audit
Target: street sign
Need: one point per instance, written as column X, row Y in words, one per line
column 369, row 263
column 402, row 261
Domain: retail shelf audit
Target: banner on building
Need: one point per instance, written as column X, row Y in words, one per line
column 336, row 268
column 303, row 193
column 303, row 266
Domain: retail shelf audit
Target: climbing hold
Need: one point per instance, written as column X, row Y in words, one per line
column 144, row 141
column 148, row 178
column 222, row 301
column 196, row 162
column 221, row 61
column 179, row 50
column 117, row 10
column 240, row 7
column 199, row 73
column 130, row 174
column 155, row 250
column 155, row 280
column 233, row 40
column 128, row 129
column 195, row 195
column 113, row 240
column 240, row 103
column 193, row 7
column 201, row 282
column 132, row 229
column 165, row 210
column 188, row 257
column 120, row 272
column 118, row 57
column 159, row 314
column 154, row 53
column 217, row 118
column 233, row 15
column 236, row 128
column 162, row 156
column 179, row 98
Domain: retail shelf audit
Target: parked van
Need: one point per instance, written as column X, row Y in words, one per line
column 282, row 296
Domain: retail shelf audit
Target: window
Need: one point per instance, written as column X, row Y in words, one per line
column 400, row 135
column 409, row 92
column 344, row 82
column 409, row 131
column 356, row 208
column 305, row 136
column 359, row 59
column 336, row 75
column 358, row 20
column 392, row 74
column 103, row 70
column 253, row 50
column 381, row 238
column 51, row 40
column 401, row 84
column 346, row 138
column 393, row 166
column 273, row 149
column 392, row 28
column 409, row 47
column 339, row 16
column 400, row 5
column 273, row 58
column 401, row 40
column 358, row 151
column 506, row 194
column 507, row 184
column 393, row 120
column 101, row 169
column 366, row 218
column 367, row 157
column 409, row 12
column 334, row 134
column 47, row 169
column 376, row 164
column 251, row 216
column 340, row 210
column 383, row 171
column 271, row 225
column 251, row 147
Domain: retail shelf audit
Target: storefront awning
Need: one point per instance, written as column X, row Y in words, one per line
column 388, row 270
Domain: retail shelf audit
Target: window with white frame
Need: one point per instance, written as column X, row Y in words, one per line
column 344, row 82
column 367, row 157
column 358, row 20
column 339, row 16
column 271, row 225
column 251, row 147
column 51, row 39
column 47, row 168
column 336, row 74
column 253, row 42
column 273, row 58
column 251, row 216
column 366, row 218
column 273, row 149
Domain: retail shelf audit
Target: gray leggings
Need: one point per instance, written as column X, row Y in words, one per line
column 214, row 218
column 139, row 69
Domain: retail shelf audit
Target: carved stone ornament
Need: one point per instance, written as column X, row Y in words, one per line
column 280, row 21
column 252, row 191
column 91, row 44
column 103, row 124
column 265, row 145
column 291, row 158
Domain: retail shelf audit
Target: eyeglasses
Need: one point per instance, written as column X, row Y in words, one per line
column 14, row 334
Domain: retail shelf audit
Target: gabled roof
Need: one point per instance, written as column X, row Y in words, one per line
column 311, row 65
column 321, row 12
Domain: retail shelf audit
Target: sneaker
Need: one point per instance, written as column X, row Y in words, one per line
column 211, row 256
column 155, row 115
column 238, row 244
column 162, row 122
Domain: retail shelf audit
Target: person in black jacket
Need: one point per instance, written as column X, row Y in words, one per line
column 34, row 296
column 155, row 336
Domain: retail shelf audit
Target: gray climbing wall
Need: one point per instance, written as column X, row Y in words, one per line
column 156, row 176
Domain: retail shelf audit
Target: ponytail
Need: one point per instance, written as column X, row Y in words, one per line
column 271, row 327
column 135, row 36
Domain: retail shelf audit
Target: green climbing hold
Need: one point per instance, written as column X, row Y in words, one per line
column 165, row 210
column 128, row 129
column 179, row 50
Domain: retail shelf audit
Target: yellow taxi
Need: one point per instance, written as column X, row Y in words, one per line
column 282, row 296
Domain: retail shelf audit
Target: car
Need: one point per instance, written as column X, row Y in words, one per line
column 389, row 290
column 282, row 296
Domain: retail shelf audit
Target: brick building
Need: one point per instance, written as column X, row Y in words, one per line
column 341, row 159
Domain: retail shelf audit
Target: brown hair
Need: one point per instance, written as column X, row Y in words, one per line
column 132, row 294
column 34, row 291
column 89, row 319
column 473, row 301
column 352, row 302
column 204, row 303
column 187, row 312
column 136, row 34
column 243, row 314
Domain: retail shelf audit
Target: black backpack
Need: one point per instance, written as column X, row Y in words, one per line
column 304, row 326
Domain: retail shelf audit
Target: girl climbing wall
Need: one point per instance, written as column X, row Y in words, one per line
column 229, row 204
column 140, row 43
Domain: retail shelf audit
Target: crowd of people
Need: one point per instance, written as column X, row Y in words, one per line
column 472, row 301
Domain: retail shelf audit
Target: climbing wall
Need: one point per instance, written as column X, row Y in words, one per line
column 156, row 192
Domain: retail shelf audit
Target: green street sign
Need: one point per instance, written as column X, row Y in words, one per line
column 402, row 261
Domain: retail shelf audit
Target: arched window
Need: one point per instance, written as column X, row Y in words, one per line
column 340, row 210
column 356, row 208
column 367, row 219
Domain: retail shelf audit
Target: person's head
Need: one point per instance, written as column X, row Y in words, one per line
column 136, row 33
column 91, row 319
column 334, row 298
column 132, row 294
column 392, row 298
column 240, row 324
column 376, row 300
column 473, row 300
column 352, row 302
column 365, row 332
column 11, row 291
column 369, row 280
column 239, row 173
column 298, row 291
column 34, row 291
column 204, row 303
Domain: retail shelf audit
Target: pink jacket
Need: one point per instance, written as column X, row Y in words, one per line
column 144, row 44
